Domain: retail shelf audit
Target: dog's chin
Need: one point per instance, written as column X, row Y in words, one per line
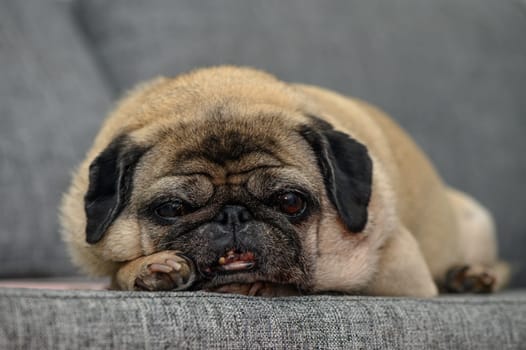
column 239, row 277
column 242, row 272
column 237, row 272
column 245, row 266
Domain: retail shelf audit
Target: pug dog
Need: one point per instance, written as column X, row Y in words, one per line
column 226, row 179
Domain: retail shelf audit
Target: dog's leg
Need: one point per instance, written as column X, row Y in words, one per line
column 402, row 270
column 480, row 271
column 166, row 270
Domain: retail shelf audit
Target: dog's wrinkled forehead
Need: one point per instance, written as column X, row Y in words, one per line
column 228, row 145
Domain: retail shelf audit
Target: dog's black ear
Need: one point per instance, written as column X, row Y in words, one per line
column 346, row 169
column 110, row 185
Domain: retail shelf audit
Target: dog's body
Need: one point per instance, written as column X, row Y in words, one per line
column 326, row 191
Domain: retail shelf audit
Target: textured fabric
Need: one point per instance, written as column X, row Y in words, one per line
column 33, row 319
column 52, row 101
column 452, row 72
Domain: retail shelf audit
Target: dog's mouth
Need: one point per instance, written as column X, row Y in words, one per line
column 233, row 261
column 236, row 261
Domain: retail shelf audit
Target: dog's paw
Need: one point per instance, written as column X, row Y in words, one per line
column 469, row 279
column 166, row 270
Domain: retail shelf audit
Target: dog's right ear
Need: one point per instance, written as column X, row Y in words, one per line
column 110, row 185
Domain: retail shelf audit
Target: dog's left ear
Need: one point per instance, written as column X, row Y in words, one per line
column 346, row 169
column 110, row 185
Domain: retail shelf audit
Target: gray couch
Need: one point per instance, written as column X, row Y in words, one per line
column 451, row 72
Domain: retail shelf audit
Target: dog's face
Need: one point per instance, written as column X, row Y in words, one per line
column 240, row 191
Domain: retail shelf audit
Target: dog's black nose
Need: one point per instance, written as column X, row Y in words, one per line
column 233, row 215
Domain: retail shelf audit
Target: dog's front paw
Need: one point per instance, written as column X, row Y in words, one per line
column 166, row 270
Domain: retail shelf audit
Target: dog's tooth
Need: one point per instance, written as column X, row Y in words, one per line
column 222, row 260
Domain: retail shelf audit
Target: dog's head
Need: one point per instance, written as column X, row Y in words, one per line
column 232, row 172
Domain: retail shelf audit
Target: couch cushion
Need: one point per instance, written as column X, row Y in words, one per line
column 35, row 319
column 452, row 72
column 52, row 100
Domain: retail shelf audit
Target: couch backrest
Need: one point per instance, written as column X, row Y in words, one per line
column 52, row 100
column 452, row 73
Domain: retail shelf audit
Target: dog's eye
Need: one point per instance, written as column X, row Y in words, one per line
column 291, row 203
column 171, row 210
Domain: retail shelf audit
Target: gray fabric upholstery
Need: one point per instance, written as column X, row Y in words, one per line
column 52, row 100
column 452, row 72
column 32, row 319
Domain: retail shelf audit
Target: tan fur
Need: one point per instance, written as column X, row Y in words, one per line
column 417, row 227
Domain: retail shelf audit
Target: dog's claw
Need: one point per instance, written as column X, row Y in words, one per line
column 174, row 264
column 159, row 268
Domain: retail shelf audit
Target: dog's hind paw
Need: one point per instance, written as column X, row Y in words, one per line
column 469, row 279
